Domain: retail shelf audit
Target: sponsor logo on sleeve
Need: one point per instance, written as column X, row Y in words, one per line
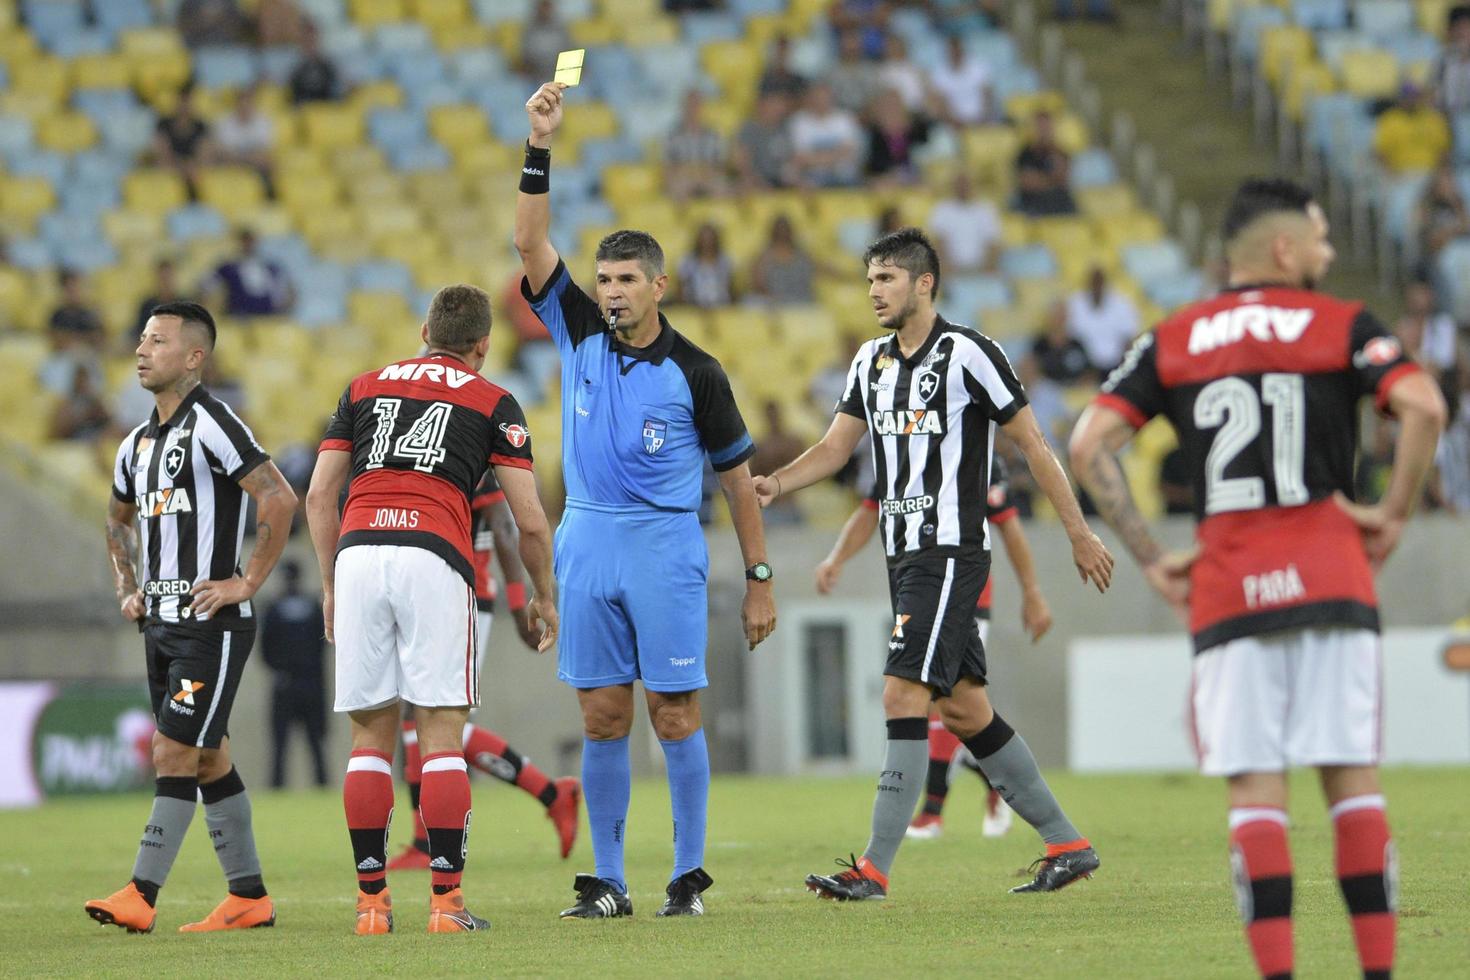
column 516, row 435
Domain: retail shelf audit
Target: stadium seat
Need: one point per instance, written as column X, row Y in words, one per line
column 1305, row 84
column 102, row 71
column 47, row 164
column 1152, row 262
column 1383, row 18
column 234, row 192
column 329, row 126
column 372, row 13
column 1028, row 262
column 1370, row 74
column 154, row 191
column 226, row 66
column 66, row 132
column 1320, row 15
column 26, row 199
column 1282, row 49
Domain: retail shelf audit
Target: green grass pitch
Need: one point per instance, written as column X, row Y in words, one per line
column 1161, row 906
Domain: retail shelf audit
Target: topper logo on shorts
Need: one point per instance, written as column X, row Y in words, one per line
column 516, row 435
column 908, row 422
column 682, row 661
column 437, row 373
column 165, row 502
column 187, row 690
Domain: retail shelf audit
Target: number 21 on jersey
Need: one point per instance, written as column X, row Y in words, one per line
column 1233, row 406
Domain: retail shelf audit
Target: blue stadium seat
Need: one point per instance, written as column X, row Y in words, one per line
column 1017, row 80
column 1154, row 261
column 128, row 132
column 1327, row 113
column 76, row 43
column 1384, row 18
column 40, row 163
column 291, row 251
column 1093, row 167
column 323, row 13
column 1028, row 262
column 1249, row 23
column 497, row 11
column 1398, row 202
column 196, row 221
column 117, row 15
column 1460, row 127
column 1332, row 45
column 61, row 228
column 434, row 94
column 90, row 197
column 315, row 308
column 646, row 120
column 29, row 253
column 854, row 235
column 419, row 158
column 574, row 10
column 383, row 275
column 51, row 21
column 600, row 153
column 87, row 256
column 968, row 295
column 1176, row 291
column 1453, row 266
column 702, row 28
column 1412, row 48
column 1320, row 15
column 996, row 48
column 403, row 38
column 99, row 103
column 669, row 67
column 100, row 166
column 277, row 63
column 226, row 66
column 414, row 70
column 477, row 66
column 390, row 128
column 17, row 135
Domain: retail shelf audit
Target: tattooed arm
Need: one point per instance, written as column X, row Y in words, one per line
column 122, row 551
column 1098, row 436
column 275, row 504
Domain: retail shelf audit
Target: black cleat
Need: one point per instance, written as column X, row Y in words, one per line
column 597, row 899
column 1055, row 873
column 860, row 882
column 684, row 893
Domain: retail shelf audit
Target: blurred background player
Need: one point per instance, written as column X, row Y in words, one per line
column 642, row 411
column 931, row 395
column 494, row 536
column 945, row 750
column 293, row 639
column 184, row 475
column 416, row 438
column 1262, row 384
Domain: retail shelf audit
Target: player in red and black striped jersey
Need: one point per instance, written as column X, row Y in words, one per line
column 495, row 536
column 945, row 749
column 1262, row 384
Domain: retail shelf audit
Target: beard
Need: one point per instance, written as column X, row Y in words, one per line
column 894, row 321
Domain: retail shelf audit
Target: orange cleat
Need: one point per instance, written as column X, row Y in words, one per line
column 236, row 913
column 563, row 813
column 127, row 909
column 448, row 914
column 411, row 858
column 374, row 914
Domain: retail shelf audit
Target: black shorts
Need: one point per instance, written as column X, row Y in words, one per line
column 192, row 677
column 935, row 640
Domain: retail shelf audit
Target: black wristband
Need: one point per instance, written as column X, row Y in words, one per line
column 536, row 171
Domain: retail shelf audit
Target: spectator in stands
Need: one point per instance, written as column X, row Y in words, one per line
column 783, row 271
column 249, row 284
column 75, row 321
column 182, row 140
column 1058, row 355
column 543, row 38
column 204, row 22
column 963, row 86
column 1176, row 484
column 694, row 155
column 1450, row 75
column 80, row 412
column 868, row 17
column 1411, row 138
column 853, row 80
column 1452, row 484
column 1442, row 217
column 827, row 141
column 894, row 135
column 1427, row 333
column 1104, row 320
column 966, row 228
column 763, row 155
column 1043, row 172
column 899, row 74
column 777, row 447
column 706, row 276
column 780, row 78
column 315, row 77
column 165, row 290
column 890, row 219
column 689, row 6
column 964, row 17
column 246, row 136
column 279, row 23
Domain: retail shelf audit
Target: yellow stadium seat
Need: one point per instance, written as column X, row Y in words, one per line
column 371, row 13
column 593, row 32
column 1307, row 81
column 372, row 308
column 440, row 13
column 630, row 182
column 1106, row 201
column 330, row 126
column 34, row 106
column 304, row 192
column 1023, row 105
column 649, row 31
column 41, row 76
column 17, row 46
column 233, row 191
column 455, row 37
column 1064, row 234
column 355, row 162
column 990, row 152
column 149, row 41
column 102, row 71
column 160, row 74
column 26, row 198
column 733, row 64
column 154, row 191
column 1135, row 228
column 593, row 120
column 458, row 125
column 15, row 293
column 376, row 95
column 374, row 189
column 1432, row 16
column 1370, row 74
column 66, row 132
column 482, row 159
column 1283, row 48
column 1015, row 229
column 291, row 159
column 329, row 224
column 437, row 190
column 384, row 220
column 130, row 230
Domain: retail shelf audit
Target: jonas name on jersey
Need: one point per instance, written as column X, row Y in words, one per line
column 422, row 433
column 933, row 418
column 1262, row 385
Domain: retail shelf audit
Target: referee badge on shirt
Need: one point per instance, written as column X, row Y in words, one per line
column 928, row 384
column 654, row 435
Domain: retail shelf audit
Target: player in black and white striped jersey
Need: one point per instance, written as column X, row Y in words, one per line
column 183, row 476
column 931, row 395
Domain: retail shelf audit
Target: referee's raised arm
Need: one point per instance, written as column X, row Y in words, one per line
column 533, row 203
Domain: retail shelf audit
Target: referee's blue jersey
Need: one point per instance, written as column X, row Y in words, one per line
column 637, row 425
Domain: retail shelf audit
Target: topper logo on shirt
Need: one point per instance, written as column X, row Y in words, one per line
column 655, row 434
column 1261, row 322
column 437, row 373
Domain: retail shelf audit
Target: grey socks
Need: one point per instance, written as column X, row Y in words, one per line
column 227, row 812
column 173, row 809
column 900, row 785
column 1007, row 762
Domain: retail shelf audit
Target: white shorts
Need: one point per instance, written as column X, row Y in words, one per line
column 406, row 630
column 1308, row 697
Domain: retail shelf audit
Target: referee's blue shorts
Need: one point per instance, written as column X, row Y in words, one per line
column 631, row 597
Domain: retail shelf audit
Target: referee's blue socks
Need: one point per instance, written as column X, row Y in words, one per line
column 687, row 762
column 607, row 778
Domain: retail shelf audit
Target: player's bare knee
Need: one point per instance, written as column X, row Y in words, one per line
column 171, row 758
column 214, row 764
column 904, row 698
column 674, row 717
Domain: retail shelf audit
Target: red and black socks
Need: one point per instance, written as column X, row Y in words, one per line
column 445, row 804
column 367, row 796
column 1260, row 862
column 1367, row 873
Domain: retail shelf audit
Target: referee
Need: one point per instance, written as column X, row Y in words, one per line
column 183, row 475
column 642, row 408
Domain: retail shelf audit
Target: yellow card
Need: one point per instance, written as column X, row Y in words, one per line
column 569, row 67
